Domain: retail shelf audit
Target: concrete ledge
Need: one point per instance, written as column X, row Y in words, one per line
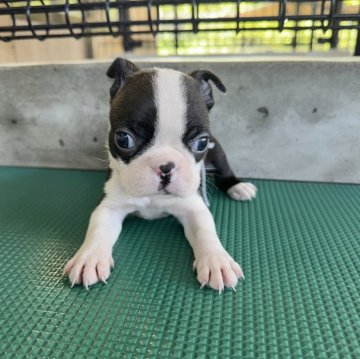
column 281, row 118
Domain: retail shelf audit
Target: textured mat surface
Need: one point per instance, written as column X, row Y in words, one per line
column 298, row 243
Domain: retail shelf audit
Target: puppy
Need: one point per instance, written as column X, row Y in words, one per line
column 158, row 141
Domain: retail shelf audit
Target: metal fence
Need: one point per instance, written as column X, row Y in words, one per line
column 307, row 23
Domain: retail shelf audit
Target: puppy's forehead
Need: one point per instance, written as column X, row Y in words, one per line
column 161, row 107
column 171, row 105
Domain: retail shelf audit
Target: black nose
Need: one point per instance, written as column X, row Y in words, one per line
column 166, row 169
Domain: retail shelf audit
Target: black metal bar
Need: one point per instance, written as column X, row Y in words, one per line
column 108, row 20
column 333, row 19
column 29, row 21
column 189, row 21
column 53, row 8
column 176, row 32
column 124, row 29
column 13, row 18
column 282, row 14
column 99, row 24
column 357, row 45
column 141, row 32
column 311, row 42
column 194, row 16
column 335, row 33
column 294, row 41
column 68, row 21
column 150, row 21
column 85, row 7
column 238, row 4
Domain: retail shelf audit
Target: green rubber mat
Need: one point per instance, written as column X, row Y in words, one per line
column 298, row 243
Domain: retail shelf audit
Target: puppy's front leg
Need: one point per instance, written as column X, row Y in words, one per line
column 92, row 262
column 214, row 265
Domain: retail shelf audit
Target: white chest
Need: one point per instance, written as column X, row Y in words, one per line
column 153, row 207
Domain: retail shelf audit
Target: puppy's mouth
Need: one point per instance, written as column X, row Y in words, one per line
column 165, row 181
column 163, row 190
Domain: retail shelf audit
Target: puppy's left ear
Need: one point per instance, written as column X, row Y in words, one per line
column 120, row 70
column 203, row 76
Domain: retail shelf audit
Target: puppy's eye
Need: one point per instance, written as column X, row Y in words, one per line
column 124, row 140
column 200, row 144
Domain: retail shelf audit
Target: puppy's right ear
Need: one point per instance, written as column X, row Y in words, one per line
column 120, row 70
column 203, row 77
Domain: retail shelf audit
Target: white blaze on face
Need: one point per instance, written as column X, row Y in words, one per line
column 171, row 106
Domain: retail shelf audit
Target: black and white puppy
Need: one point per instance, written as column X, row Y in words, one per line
column 159, row 139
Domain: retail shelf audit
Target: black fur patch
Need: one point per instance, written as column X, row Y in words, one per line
column 224, row 175
column 197, row 117
column 203, row 77
column 120, row 70
column 133, row 109
column 200, row 100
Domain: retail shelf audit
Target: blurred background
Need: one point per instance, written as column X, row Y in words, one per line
column 51, row 31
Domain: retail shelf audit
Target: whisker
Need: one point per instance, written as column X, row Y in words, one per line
column 210, row 187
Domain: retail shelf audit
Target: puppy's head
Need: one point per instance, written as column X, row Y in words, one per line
column 159, row 128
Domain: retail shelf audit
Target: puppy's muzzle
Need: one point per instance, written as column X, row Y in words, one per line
column 166, row 172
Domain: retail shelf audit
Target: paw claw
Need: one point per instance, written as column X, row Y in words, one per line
column 218, row 270
column 203, row 285
column 88, row 267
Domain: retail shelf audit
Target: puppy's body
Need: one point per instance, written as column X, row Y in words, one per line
column 158, row 140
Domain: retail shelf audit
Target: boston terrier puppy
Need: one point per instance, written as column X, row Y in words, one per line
column 159, row 140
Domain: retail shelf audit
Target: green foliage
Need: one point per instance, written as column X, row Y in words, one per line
column 269, row 40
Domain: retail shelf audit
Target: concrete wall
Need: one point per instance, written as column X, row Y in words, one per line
column 280, row 119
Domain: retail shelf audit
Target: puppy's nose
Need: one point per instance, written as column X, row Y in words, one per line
column 166, row 169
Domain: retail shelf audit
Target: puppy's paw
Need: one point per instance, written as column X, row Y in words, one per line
column 88, row 267
column 218, row 270
column 243, row 191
